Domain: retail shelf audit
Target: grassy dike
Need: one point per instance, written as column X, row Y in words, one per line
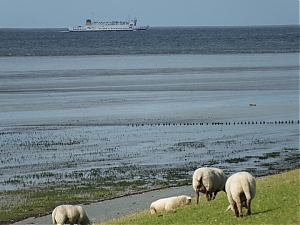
column 277, row 201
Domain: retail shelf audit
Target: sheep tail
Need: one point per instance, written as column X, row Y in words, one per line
column 228, row 208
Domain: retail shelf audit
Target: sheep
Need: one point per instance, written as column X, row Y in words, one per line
column 168, row 204
column 69, row 214
column 208, row 180
column 240, row 188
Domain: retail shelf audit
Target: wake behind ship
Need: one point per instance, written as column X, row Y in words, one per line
column 128, row 25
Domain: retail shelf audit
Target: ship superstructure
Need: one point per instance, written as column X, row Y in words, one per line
column 128, row 25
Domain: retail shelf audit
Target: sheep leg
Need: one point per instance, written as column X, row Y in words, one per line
column 208, row 195
column 215, row 194
column 239, row 208
column 197, row 196
column 235, row 211
column 248, row 206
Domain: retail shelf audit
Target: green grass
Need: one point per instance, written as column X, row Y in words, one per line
column 276, row 202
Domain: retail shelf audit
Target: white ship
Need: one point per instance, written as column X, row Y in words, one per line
column 128, row 25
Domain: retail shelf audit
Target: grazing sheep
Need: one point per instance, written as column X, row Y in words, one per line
column 240, row 188
column 208, row 180
column 69, row 214
column 168, row 204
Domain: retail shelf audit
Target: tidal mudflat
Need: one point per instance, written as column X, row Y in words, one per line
column 154, row 154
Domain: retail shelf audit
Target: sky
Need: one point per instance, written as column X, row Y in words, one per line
column 67, row 13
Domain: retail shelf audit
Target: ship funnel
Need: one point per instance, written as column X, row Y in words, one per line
column 88, row 22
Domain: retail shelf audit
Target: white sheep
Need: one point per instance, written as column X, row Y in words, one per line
column 208, row 181
column 69, row 214
column 167, row 204
column 240, row 188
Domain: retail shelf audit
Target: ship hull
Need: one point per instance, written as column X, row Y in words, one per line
column 86, row 29
column 141, row 28
column 92, row 29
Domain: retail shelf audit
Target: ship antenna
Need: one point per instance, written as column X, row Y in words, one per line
column 93, row 16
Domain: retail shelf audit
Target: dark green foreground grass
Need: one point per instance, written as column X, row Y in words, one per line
column 20, row 204
column 276, row 202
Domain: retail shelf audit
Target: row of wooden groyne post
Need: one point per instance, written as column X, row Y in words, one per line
column 219, row 123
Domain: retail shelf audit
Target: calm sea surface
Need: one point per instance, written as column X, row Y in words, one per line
column 169, row 40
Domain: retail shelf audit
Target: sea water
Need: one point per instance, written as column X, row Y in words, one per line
column 166, row 40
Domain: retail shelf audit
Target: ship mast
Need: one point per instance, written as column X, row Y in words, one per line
column 93, row 14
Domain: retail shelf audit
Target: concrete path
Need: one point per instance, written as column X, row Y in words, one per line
column 111, row 209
